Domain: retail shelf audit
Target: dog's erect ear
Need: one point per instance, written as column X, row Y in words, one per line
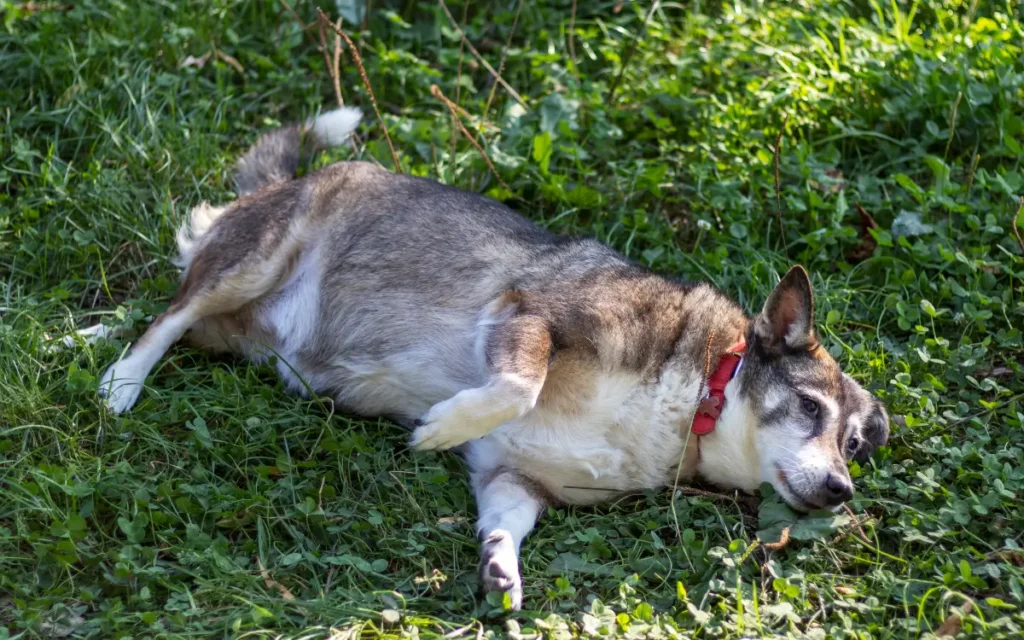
column 787, row 320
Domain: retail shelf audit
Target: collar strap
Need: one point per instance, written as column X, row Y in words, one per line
column 711, row 407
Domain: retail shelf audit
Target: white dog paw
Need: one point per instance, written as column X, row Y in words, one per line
column 89, row 336
column 499, row 567
column 459, row 419
column 121, row 385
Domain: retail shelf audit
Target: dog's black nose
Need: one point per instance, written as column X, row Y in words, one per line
column 838, row 489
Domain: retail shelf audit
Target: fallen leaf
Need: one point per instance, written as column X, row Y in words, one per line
column 833, row 185
column 231, row 61
column 273, row 584
column 867, row 244
column 193, row 61
column 1011, row 556
column 953, row 623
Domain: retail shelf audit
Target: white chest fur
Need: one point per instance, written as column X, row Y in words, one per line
column 628, row 436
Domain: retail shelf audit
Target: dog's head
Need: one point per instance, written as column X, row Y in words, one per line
column 804, row 417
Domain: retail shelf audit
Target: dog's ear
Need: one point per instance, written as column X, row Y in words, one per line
column 787, row 320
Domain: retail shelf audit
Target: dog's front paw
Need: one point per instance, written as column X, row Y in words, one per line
column 499, row 567
column 121, row 385
column 457, row 420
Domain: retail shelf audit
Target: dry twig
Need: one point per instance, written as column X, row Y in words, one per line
column 296, row 17
column 504, row 56
column 334, row 68
column 778, row 189
column 333, row 65
column 453, row 142
column 231, row 61
column 629, row 52
column 476, row 54
column 454, row 109
column 856, row 523
column 366, row 82
column 572, row 43
column 1016, row 231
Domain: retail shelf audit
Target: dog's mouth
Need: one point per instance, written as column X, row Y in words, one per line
column 791, row 495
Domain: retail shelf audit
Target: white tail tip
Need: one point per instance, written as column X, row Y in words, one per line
column 334, row 127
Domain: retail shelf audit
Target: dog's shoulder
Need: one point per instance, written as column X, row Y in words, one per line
column 629, row 318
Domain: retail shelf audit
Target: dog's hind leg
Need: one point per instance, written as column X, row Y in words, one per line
column 246, row 254
column 122, row 382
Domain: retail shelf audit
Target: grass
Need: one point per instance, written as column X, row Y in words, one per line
column 224, row 507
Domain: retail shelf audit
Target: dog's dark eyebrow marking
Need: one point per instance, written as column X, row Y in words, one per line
column 819, row 422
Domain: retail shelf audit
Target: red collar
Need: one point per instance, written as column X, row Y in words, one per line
column 710, row 407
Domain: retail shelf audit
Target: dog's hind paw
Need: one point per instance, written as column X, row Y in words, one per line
column 89, row 336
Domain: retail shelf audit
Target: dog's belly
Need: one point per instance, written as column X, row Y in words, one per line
column 378, row 353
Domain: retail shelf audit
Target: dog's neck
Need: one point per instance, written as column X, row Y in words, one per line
column 729, row 454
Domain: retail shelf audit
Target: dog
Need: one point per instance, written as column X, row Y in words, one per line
column 560, row 371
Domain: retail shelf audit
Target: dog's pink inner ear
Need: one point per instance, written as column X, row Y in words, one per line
column 788, row 315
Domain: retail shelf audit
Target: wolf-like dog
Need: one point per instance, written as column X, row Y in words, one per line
column 562, row 372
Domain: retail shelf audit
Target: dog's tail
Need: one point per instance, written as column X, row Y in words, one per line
column 276, row 155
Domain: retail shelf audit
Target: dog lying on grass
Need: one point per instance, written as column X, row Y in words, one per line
column 563, row 373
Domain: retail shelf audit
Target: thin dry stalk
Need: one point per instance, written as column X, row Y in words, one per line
column 476, row 54
column 952, row 123
column 504, row 56
column 693, row 491
column 366, row 82
column 629, row 53
column 336, row 69
column 689, row 432
column 453, row 108
column 333, row 67
column 778, row 189
column 970, row 177
column 1016, row 231
column 229, row 60
column 462, row 50
column 856, row 522
column 470, row 116
column 453, row 144
column 572, row 43
column 295, row 16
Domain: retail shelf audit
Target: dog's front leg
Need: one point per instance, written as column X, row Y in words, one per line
column 508, row 507
column 518, row 352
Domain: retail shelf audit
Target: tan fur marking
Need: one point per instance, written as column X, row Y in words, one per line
column 570, row 384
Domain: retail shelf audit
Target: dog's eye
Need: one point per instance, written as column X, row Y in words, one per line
column 809, row 406
column 852, row 444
